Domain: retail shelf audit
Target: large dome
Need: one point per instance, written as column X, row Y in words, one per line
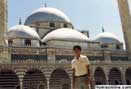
column 106, row 37
column 65, row 34
column 47, row 14
column 22, row 31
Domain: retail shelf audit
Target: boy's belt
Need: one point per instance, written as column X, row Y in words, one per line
column 85, row 75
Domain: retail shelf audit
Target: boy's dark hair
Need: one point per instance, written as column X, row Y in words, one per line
column 77, row 47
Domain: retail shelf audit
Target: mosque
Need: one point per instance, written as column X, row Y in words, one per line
column 38, row 53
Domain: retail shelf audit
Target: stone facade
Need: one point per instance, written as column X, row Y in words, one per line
column 107, row 67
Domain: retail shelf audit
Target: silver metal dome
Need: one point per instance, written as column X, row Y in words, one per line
column 22, row 31
column 106, row 37
column 65, row 34
column 47, row 14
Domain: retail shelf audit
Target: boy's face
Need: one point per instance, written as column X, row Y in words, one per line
column 77, row 52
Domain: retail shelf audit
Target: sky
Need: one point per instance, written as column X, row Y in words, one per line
column 89, row 15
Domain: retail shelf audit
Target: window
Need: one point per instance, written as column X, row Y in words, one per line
column 10, row 42
column 127, row 82
column 42, row 43
column 117, row 47
column 52, row 24
column 116, row 82
column 104, row 46
column 65, row 26
column 98, row 83
column 27, row 42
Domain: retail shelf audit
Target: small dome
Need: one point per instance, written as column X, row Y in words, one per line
column 22, row 31
column 65, row 34
column 106, row 37
column 47, row 14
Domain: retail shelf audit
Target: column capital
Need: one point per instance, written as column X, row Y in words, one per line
column 21, row 81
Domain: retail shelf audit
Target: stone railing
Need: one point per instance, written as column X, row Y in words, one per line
column 110, row 62
column 53, row 51
column 46, row 49
column 67, row 62
column 39, row 61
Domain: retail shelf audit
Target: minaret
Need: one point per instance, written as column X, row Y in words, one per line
column 3, row 21
column 103, row 30
column 126, row 22
column 4, row 53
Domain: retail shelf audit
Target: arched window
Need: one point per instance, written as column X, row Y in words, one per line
column 104, row 46
column 52, row 24
column 8, row 80
column 116, row 82
column 117, row 47
column 34, row 79
column 115, row 77
column 42, row 43
column 127, row 82
column 10, row 42
column 65, row 26
column 128, row 76
column 98, row 83
column 60, row 79
column 27, row 42
column 99, row 76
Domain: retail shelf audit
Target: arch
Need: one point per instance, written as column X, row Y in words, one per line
column 41, row 86
column 7, row 68
column 17, row 87
column 8, row 79
column 115, row 77
column 33, row 78
column 33, row 67
column 99, row 76
column 128, row 76
column 68, row 70
column 60, row 79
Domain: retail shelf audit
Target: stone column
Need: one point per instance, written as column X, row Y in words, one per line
column 21, row 81
column 92, row 71
column 71, row 82
column 123, row 77
column 107, row 75
column 51, row 55
column 93, row 82
column 107, row 79
column 107, row 56
column 48, row 83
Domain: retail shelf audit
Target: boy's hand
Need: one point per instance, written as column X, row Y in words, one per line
column 89, row 80
column 74, row 86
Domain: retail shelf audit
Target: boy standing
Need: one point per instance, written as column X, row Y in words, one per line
column 81, row 71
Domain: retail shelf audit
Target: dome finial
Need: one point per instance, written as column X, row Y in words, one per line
column 20, row 22
column 45, row 3
column 103, row 30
